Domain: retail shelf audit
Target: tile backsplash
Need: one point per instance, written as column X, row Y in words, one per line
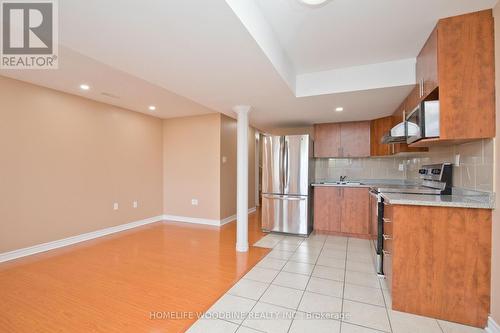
column 359, row 168
column 474, row 172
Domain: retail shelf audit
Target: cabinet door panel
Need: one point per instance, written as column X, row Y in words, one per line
column 428, row 57
column 378, row 128
column 327, row 208
column 355, row 210
column 413, row 99
column 355, row 139
column 327, row 140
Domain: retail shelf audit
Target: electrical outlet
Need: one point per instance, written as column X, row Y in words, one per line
column 115, row 206
column 401, row 167
column 457, row 159
column 224, row 159
column 135, row 204
column 194, row 202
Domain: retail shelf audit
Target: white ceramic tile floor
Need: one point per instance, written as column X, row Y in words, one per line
column 304, row 285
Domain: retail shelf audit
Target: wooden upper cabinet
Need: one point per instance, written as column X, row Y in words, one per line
column 378, row 128
column 412, row 100
column 427, row 67
column 355, row 139
column 350, row 139
column 457, row 66
column 355, row 210
column 327, row 140
column 466, row 71
column 327, row 208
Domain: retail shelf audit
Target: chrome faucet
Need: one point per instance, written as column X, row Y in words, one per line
column 343, row 178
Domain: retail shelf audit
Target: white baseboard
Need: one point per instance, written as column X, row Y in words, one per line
column 228, row 219
column 11, row 255
column 493, row 326
column 198, row 220
column 188, row 219
column 6, row 256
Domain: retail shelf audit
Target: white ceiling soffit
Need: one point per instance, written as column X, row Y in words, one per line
column 251, row 16
column 356, row 78
column 346, row 33
column 346, row 45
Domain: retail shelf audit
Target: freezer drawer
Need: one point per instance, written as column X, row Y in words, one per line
column 288, row 214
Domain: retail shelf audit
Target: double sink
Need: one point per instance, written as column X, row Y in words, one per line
column 346, row 183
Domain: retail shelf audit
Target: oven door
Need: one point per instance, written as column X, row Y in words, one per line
column 380, row 235
column 414, row 125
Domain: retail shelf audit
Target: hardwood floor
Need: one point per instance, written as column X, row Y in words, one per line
column 119, row 283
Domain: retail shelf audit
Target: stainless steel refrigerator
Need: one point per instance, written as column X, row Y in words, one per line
column 287, row 173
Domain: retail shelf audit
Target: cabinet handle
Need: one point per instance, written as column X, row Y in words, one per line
column 339, row 152
column 386, row 220
column 386, row 253
column 386, row 237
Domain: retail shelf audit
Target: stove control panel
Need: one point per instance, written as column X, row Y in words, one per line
column 437, row 175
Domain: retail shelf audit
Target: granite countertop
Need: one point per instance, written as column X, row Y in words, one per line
column 366, row 183
column 460, row 201
column 460, row 198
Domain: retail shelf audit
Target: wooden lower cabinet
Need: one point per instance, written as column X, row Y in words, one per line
column 355, row 211
column 327, row 208
column 342, row 210
column 437, row 263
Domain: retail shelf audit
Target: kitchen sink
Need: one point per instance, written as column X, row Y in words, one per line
column 346, row 183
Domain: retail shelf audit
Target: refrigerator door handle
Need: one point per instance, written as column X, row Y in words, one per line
column 283, row 197
column 282, row 162
column 285, row 165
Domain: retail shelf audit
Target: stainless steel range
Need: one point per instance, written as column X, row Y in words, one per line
column 436, row 179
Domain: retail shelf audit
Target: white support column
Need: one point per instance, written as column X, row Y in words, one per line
column 242, row 179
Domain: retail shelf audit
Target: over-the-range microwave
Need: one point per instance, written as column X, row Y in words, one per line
column 426, row 117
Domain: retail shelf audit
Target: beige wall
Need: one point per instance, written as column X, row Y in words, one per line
column 495, row 279
column 228, row 169
column 65, row 160
column 252, row 145
column 191, row 155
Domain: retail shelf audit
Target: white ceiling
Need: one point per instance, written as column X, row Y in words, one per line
column 346, row 33
column 194, row 56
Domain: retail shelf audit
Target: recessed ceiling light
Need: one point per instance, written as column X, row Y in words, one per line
column 152, row 108
column 339, row 109
column 84, row 86
column 313, row 2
